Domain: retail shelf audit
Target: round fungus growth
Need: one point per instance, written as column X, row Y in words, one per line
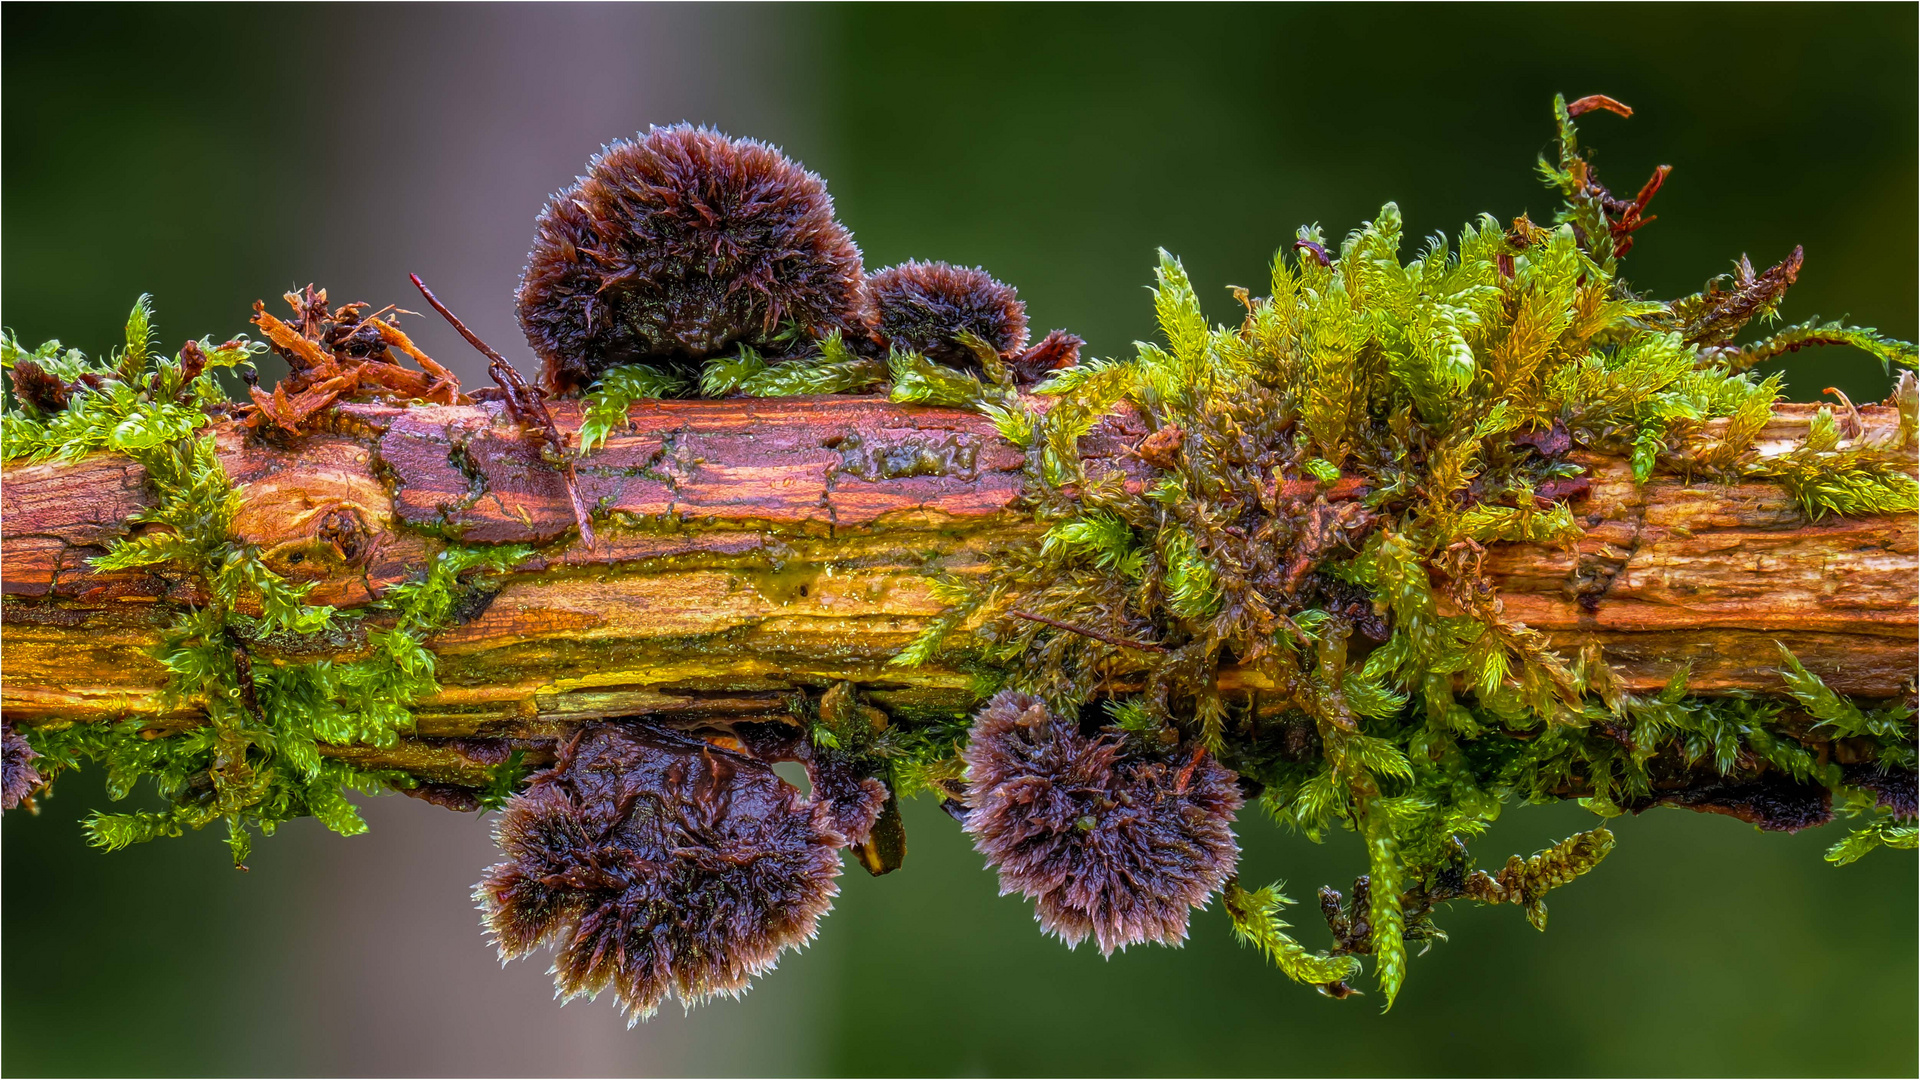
column 679, row 246
column 657, row 864
column 925, row 307
column 18, row 777
column 1106, row 842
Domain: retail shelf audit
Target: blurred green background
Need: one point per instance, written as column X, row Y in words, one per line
column 212, row 156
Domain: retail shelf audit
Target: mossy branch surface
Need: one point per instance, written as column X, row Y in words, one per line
column 1284, row 543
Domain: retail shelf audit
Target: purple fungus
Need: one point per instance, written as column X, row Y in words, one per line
column 680, row 246
column 926, row 307
column 655, row 864
column 1109, row 843
column 18, row 777
column 846, row 797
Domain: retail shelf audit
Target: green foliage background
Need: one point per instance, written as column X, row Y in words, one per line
column 215, row 156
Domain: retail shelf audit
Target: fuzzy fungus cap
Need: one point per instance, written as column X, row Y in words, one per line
column 677, row 246
column 924, row 307
column 657, row 864
column 18, row 777
column 1108, row 844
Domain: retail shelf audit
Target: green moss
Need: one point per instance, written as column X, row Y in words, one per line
column 1441, row 385
column 257, row 761
column 833, row 370
column 606, row 404
column 1256, row 921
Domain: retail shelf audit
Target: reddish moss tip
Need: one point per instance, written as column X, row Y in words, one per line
column 676, row 247
column 1107, row 844
column 924, row 308
column 657, row 864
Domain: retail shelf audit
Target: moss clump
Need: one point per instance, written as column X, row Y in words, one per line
column 1314, row 500
column 258, row 760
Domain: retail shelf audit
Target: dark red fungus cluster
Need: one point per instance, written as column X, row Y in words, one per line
column 924, row 307
column 657, row 863
column 18, row 777
column 845, row 794
column 678, row 246
column 1107, row 842
column 685, row 244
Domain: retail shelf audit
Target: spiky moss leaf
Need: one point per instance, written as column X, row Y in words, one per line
column 1542, row 315
column 1824, row 476
column 1581, row 207
column 1256, row 921
column 1528, row 881
column 1389, row 921
column 723, row 375
column 919, row 381
column 1889, row 351
column 1178, row 310
column 1322, row 470
column 1102, row 537
column 1375, row 755
column 926, row 643
column 1906, row 398
column 1147, row 728
column 1858, row 843
column 1189, row 577
column 1015, row 422
column 1853, row 489
column 615, row 392
column 835, row 370
column 1488, row 523
column 1891, row 726
column 140, row 340
column 796, row 377
column 160, row 407
column 1747, row 419
column 961, row 599
column 1368, row 696
column 1812, row 693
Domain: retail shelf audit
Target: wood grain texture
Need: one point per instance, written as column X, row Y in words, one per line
column 754, row 547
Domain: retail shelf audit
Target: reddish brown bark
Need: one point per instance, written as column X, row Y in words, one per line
column 752, row 547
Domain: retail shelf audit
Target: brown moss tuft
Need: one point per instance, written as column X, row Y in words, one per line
column 677, row 247
column 1108, row 843
column 40, row 388
column 657, row 864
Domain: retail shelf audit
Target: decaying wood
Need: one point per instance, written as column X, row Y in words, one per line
column 750, row 548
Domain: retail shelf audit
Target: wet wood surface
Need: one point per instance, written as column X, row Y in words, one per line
column 751, row 548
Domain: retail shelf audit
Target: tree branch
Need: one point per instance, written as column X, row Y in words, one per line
column 753, row 548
